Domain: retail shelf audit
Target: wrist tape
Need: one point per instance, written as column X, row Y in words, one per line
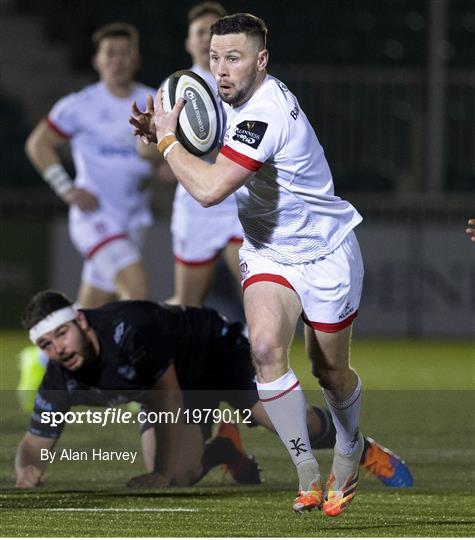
column 168, row 149
column 167, row 140
column 58, row 179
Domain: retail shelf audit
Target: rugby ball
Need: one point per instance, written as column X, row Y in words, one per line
column 199, row 123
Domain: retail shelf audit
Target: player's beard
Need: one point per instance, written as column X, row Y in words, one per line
column 239, row 97
column 89, row 354
column 85, row 353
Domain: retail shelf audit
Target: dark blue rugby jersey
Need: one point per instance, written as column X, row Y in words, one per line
column 138, row 342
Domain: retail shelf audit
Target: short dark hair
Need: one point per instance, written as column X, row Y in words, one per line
column 116, row 29
column 241, row 23
column 205, row 8
column 42, row 305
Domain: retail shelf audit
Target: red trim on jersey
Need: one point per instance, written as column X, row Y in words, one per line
column 274, row 278
column 103, row 243
column 54, row 127
column 282, row 393
column 235, row 240
column 241, row 159
column 331, row 327
column 203, row 262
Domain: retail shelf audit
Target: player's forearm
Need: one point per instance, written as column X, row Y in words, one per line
column 168, row 433
column 41, row 154
column 40, row 148
column 148, row 152
column 199, row 178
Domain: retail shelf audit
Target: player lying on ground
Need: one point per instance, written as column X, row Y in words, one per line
column 147, row 352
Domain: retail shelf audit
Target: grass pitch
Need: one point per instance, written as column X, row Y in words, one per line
column 418, row 400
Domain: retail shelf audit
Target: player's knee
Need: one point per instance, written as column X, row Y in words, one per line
column 327, row 377
column 266, row 350
column 333, row 379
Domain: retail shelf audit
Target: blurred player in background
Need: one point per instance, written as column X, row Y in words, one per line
column 151, row 352
column 200, row 235
column 108, row 207
column 300, row 255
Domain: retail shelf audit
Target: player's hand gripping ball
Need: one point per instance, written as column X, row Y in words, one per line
column 199, row 123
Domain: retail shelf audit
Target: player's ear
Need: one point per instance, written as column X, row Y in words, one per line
column 187, row 45
column 262, row 59
column 82, row 321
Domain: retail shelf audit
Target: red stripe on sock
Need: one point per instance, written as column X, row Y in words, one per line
column 281, row 394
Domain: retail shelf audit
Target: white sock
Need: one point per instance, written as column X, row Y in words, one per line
column 346, row 417
column 285, row 404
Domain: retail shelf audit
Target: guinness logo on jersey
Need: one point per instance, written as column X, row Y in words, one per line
column 250, row 132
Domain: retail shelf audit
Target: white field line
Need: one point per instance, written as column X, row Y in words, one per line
column 436, row 452
column 120, row 509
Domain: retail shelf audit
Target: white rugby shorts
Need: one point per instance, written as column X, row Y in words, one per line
column 199, row 237
column 329, row 289
column 106, row 247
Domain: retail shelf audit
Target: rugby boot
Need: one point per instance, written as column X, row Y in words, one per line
column 342, row 482
column 389, row 468
column 308, row 500
column 243, row 468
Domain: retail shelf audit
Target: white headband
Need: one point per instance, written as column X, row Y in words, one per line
column 52, row 321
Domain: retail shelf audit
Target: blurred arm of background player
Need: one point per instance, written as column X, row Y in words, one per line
column 41, row 149
column 471, row 231
column 163, row 171
column 161, row 168
column 29, row 467
column 167, row 396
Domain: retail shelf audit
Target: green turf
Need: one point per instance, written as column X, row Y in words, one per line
column 419, row 401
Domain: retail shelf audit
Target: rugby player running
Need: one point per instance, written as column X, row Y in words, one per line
column 300, row 256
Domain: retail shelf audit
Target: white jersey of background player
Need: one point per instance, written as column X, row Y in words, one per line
column 109, row 210
column 200, row 234
column 194, row 241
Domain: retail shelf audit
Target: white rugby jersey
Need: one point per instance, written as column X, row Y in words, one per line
column 104, row 150
column 182, row 198
column 288, row 209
